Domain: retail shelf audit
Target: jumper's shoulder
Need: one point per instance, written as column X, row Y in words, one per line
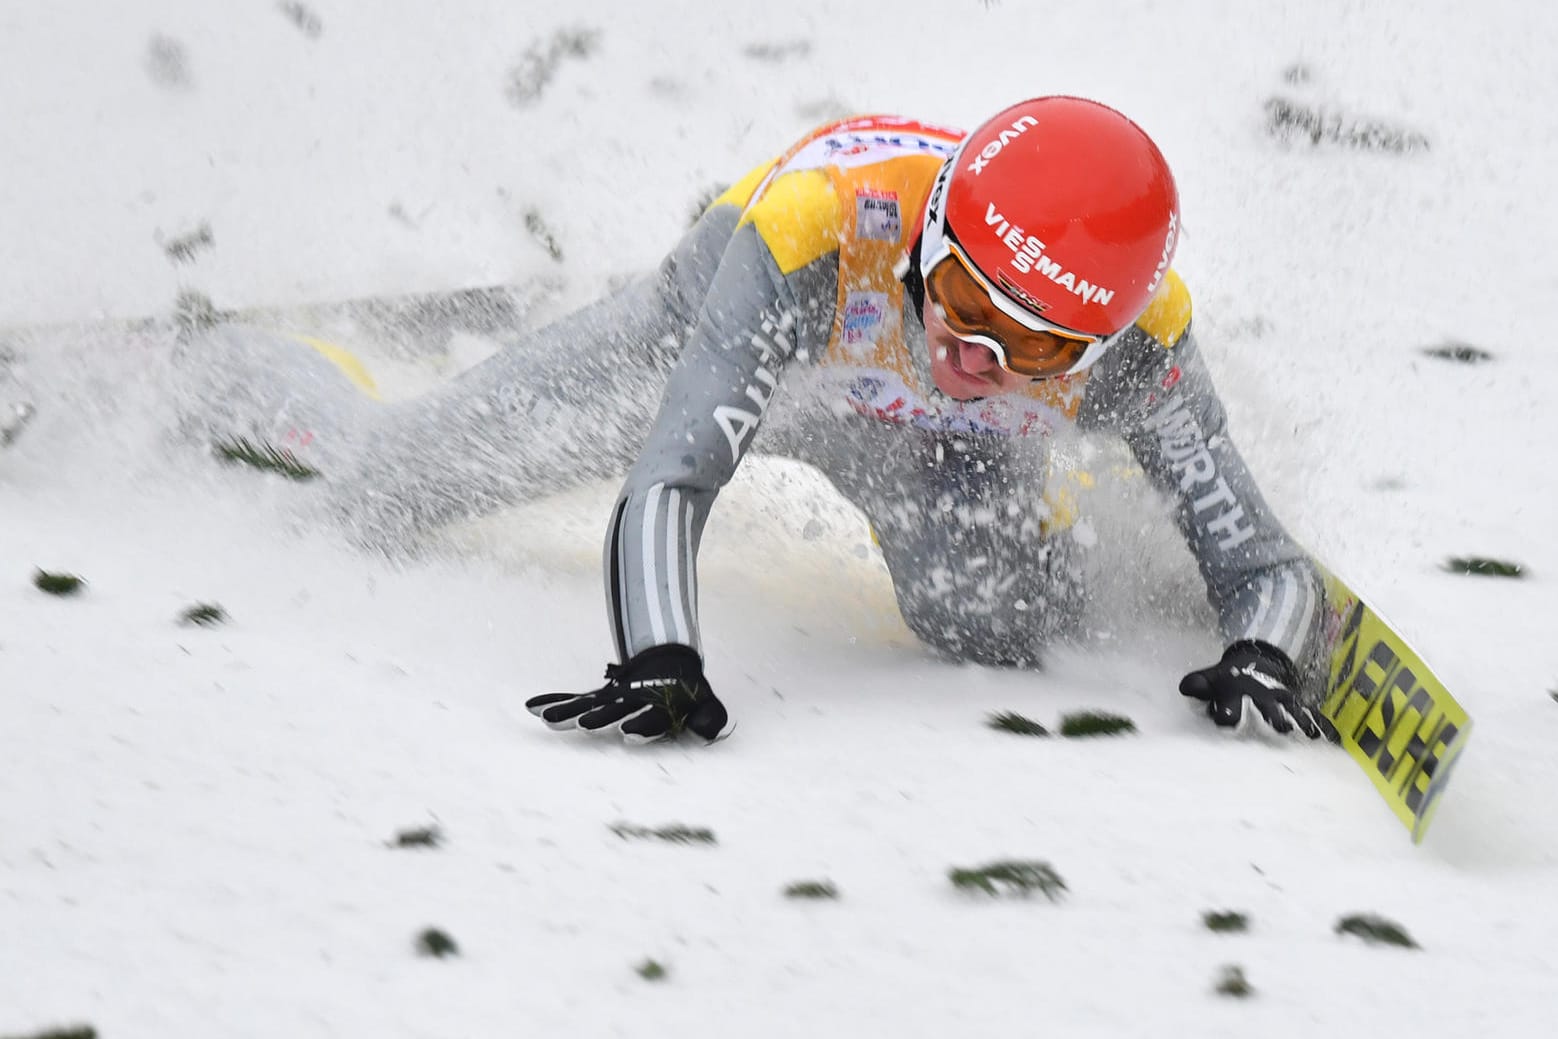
column 798, row 216
column 1168, row 315
column 740, row 193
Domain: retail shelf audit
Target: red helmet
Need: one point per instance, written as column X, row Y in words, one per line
column 1067, row 209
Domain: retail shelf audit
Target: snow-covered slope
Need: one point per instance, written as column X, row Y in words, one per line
column 194, row 822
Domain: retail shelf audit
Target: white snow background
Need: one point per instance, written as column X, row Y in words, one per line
column 196, row 824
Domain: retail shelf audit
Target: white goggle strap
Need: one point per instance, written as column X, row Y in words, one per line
column 1089, row 356
column 1094, row 351
column 933, row 239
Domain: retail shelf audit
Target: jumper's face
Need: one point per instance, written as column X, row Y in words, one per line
column 961, row 369
column 982, row 342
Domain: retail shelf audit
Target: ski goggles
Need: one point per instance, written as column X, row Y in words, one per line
column 977, row 312
column 971, row 312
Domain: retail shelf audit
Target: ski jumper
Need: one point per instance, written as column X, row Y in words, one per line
column 805, row 287
column 780, row 323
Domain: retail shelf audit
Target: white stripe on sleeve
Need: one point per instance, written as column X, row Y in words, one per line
column 687, row 576
column 651, row 573
column 673, row 573
column 1279, row 626
column 614, row 590
column 1304, row 618
column 1260, row 614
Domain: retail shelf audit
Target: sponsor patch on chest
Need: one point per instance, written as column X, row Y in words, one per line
column 865, row 313
column 876, row 215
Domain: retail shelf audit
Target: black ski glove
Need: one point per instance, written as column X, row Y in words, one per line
column 1259, row 676
column 654, row 696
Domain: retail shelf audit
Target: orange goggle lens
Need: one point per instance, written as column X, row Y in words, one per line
column 970, row 313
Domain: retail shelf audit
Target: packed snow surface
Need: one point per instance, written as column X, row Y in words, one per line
column 198, row 825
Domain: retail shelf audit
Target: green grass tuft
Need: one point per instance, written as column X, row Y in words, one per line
column 1461, row 353
column 436, row 943
column 306, row 20
column 536, row 225
column 1484, row 567
column 419, row 837
column 265, row 458
column 57, row 584
column 1015, row 877
column 819, row 889
column 1095, row 723
column 675, row 833
column 1232, row 983
column 194, row 312
column 204, row 615
column 1299, row 122
column 651, row 970
column 184, row 247
column 1011, row 721
column 1225, row 922
column 1376, row 930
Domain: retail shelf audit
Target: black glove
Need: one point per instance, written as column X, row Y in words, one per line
column 1258, row 675
column 654, row 696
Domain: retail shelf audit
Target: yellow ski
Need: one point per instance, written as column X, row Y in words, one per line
column 1396, row 718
